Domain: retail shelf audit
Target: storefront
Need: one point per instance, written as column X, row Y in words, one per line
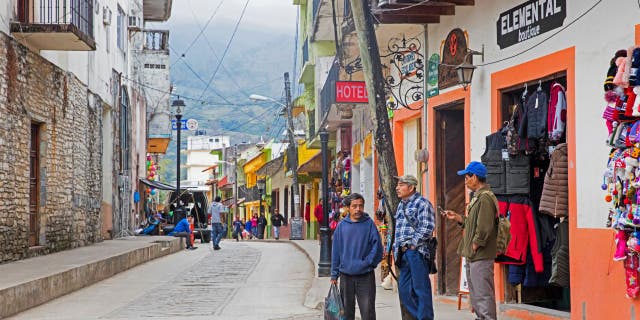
column 560, row 53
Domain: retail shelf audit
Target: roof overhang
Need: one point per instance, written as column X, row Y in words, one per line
column 157, row 10
column 418, row 12
column 157, row 184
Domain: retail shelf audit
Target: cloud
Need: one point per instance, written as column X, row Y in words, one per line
column 275, row 15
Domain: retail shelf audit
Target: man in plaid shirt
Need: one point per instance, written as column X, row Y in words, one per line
column 415, row 221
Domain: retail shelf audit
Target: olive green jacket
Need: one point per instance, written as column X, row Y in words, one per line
column 480, row 226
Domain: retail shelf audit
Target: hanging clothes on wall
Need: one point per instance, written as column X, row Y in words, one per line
column 557, row 113
column 560, row 255
column 534, row 122
column 555, row 193
column 506, row 174
column 523, row 232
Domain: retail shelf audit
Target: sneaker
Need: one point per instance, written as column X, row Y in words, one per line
column 192, row 248
column 216, row 248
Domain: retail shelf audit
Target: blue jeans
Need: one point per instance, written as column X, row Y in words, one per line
column 216, row 233
column 414, row 285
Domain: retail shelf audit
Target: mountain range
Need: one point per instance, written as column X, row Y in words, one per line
column 253, row 64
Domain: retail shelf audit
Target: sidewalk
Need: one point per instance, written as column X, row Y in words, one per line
column 387, row 304
column 27, row 283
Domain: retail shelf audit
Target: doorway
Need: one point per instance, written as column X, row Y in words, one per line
column 450, row 191
column 34, row 185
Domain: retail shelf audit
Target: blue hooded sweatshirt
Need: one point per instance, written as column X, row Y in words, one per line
column 357, row 248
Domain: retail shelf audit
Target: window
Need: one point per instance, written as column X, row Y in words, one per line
column 124, row 129
column 122, row 29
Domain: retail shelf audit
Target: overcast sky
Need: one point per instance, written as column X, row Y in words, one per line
column 276, row 15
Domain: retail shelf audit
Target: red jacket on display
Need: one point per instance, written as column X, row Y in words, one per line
column 319, row 213
column 523, row 232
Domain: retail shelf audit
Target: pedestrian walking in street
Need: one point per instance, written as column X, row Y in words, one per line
column 254, row 226
column 183, row 230
column 247, row 228
column 356, row 252
column 262, row 225
column 276, row 223
column 217, row 221
column 415, row 221
column 237, row 228
column 478, row 245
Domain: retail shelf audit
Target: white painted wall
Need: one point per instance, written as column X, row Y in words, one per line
column 410, row 130
column 594, row 44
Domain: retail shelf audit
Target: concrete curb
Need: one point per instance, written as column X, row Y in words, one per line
column 29, row 294
column 314, row 299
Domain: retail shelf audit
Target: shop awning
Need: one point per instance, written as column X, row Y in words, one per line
column 271, row 167
column 210, row 168
column 222, row 182
column 312, row 165
column 157, row 184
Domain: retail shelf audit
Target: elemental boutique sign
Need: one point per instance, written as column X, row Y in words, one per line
column 529, row 20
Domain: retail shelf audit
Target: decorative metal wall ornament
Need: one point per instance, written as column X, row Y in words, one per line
column 405, row 72
column 353, row 66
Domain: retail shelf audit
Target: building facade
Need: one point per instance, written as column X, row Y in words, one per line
column 80, row 114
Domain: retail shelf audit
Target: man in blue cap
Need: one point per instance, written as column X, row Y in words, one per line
column 478, row 243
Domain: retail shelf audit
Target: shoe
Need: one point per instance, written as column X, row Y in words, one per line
column 216, row 248
column 277, row 238
column 192, row 248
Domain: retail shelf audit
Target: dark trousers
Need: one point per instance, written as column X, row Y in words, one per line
column 414, row 285
column 186, row 236
column 363, row 288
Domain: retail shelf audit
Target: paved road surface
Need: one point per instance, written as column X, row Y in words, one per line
column 246, row 280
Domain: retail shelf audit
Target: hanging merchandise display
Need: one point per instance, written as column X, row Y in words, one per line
column 526, row 164
column 621, row 179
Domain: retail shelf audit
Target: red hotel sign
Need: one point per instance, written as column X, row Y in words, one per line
column 351, row 92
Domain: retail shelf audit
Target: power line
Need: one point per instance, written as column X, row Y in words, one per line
column 203, row 28
column 233, row 80
column 226, row 49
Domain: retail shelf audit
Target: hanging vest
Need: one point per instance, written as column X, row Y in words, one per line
column 505, row 176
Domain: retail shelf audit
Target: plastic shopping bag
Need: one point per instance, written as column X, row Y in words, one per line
column 333, row 308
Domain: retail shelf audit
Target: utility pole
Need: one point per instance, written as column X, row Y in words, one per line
column 372, row 69
column 293, row 155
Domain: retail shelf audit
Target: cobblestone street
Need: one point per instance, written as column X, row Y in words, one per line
column 246, row 280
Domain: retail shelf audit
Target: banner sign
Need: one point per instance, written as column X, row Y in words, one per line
column 351, row 92
column 529, row 20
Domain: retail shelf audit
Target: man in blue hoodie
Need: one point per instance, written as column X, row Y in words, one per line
column 183, row 230
column 356, row 251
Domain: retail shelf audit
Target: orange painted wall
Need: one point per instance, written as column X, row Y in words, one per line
column 563, row 60
column 597, row 283
column 399, row 117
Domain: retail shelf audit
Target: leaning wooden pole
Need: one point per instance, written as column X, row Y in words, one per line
column 372, row 67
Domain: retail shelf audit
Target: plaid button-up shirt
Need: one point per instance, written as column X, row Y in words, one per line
column 415, row 221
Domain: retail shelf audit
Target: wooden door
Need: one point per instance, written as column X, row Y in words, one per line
column 34, row 164
column 450, row 193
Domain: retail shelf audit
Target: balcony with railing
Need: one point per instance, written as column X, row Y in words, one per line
column 156, row 10
column 307, row 71
column 156, row 40
column 65, row 25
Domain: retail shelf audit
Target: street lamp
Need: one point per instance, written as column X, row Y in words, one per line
column 178, row 104
column 465, row 69
column 261, row 188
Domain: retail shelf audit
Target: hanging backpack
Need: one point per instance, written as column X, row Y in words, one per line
column 504, row 227
column 504, row 233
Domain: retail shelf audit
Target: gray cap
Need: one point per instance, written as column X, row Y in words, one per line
column 408, row 179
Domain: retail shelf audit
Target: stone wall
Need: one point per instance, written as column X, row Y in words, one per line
column 32, row 90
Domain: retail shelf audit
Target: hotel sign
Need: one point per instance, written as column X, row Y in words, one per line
column 529, row 20
column 351, row 92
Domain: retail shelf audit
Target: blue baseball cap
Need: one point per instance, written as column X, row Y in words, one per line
column 474, row 167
